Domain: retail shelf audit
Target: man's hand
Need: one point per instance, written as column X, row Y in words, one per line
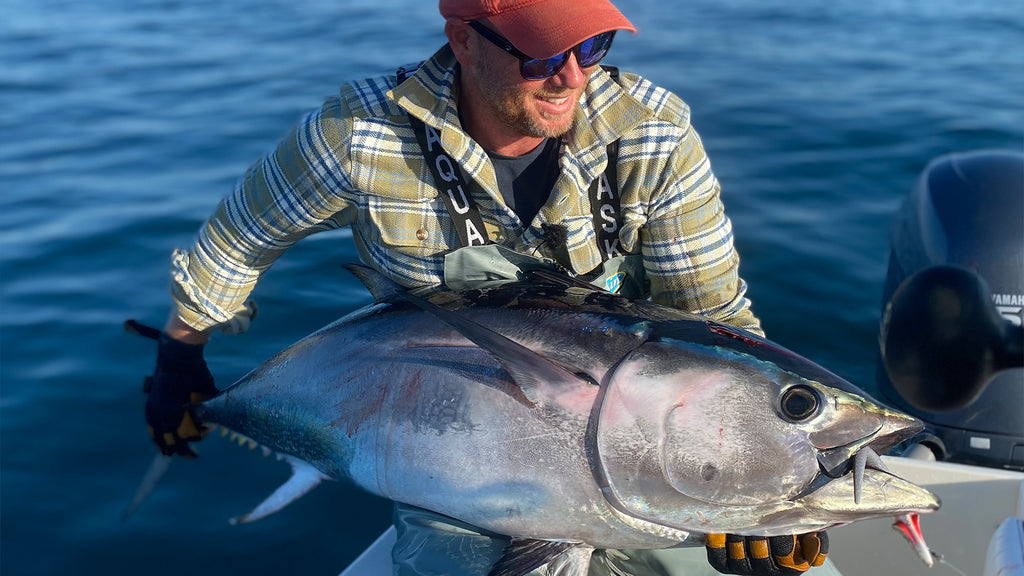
column 766, row 556
column 181, row 377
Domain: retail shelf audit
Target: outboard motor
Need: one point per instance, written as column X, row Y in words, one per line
column 952, row 342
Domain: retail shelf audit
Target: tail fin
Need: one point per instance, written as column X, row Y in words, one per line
column 303, row 479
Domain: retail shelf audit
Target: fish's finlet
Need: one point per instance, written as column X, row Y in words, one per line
column 303, row 479
column 380, row 286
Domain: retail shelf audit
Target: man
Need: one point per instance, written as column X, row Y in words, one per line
column 510, row 148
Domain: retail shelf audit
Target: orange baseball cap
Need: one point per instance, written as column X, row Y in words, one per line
column 541, row 28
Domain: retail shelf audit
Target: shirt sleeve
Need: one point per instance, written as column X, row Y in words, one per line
column 688, row 242
column 299, row 189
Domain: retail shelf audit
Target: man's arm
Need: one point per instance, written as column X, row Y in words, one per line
column 282, row 198
column 301, row 188
column 688, row 242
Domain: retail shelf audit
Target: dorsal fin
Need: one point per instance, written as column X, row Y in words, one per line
column 525, row 555
column 380, row 286
column 558, row 279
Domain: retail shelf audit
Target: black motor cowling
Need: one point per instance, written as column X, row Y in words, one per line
column 952, row 342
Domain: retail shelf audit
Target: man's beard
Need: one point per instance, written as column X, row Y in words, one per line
column 505, row 103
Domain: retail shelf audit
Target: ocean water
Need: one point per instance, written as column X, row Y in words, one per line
column 123, row 123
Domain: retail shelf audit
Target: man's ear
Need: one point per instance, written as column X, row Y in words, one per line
column 460, row 39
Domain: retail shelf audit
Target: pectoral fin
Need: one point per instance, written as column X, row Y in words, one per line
column 573, row 562
column 524, row 555
column 538, row 377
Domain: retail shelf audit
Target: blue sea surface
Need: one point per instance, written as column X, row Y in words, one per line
column 123, row 123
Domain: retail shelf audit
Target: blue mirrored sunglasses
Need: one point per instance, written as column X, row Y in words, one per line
column 588, row 53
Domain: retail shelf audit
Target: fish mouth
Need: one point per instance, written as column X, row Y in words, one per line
column 856, row 467
column 877, row 492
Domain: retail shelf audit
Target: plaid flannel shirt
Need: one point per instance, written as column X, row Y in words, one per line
column 356, row 162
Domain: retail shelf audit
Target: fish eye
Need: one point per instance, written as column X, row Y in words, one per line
column 799, row 403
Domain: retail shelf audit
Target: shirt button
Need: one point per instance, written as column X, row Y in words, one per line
column 421, row 234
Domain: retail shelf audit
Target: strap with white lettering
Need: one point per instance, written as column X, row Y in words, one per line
column 604, row 199
column 604, row 205
column 451, row 186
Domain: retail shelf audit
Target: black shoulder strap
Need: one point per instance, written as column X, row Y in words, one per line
column 604, row 198
column 451, row 185
column 604, row 206
column 404, row 72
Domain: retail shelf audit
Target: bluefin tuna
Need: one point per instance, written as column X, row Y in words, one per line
column 551, row 411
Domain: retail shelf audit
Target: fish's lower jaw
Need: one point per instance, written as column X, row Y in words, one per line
column 882, row 494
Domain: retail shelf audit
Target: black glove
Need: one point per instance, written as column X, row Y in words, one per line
column 180, row 378
column 766, row 556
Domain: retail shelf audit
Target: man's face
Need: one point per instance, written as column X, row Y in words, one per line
column 531, row 108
